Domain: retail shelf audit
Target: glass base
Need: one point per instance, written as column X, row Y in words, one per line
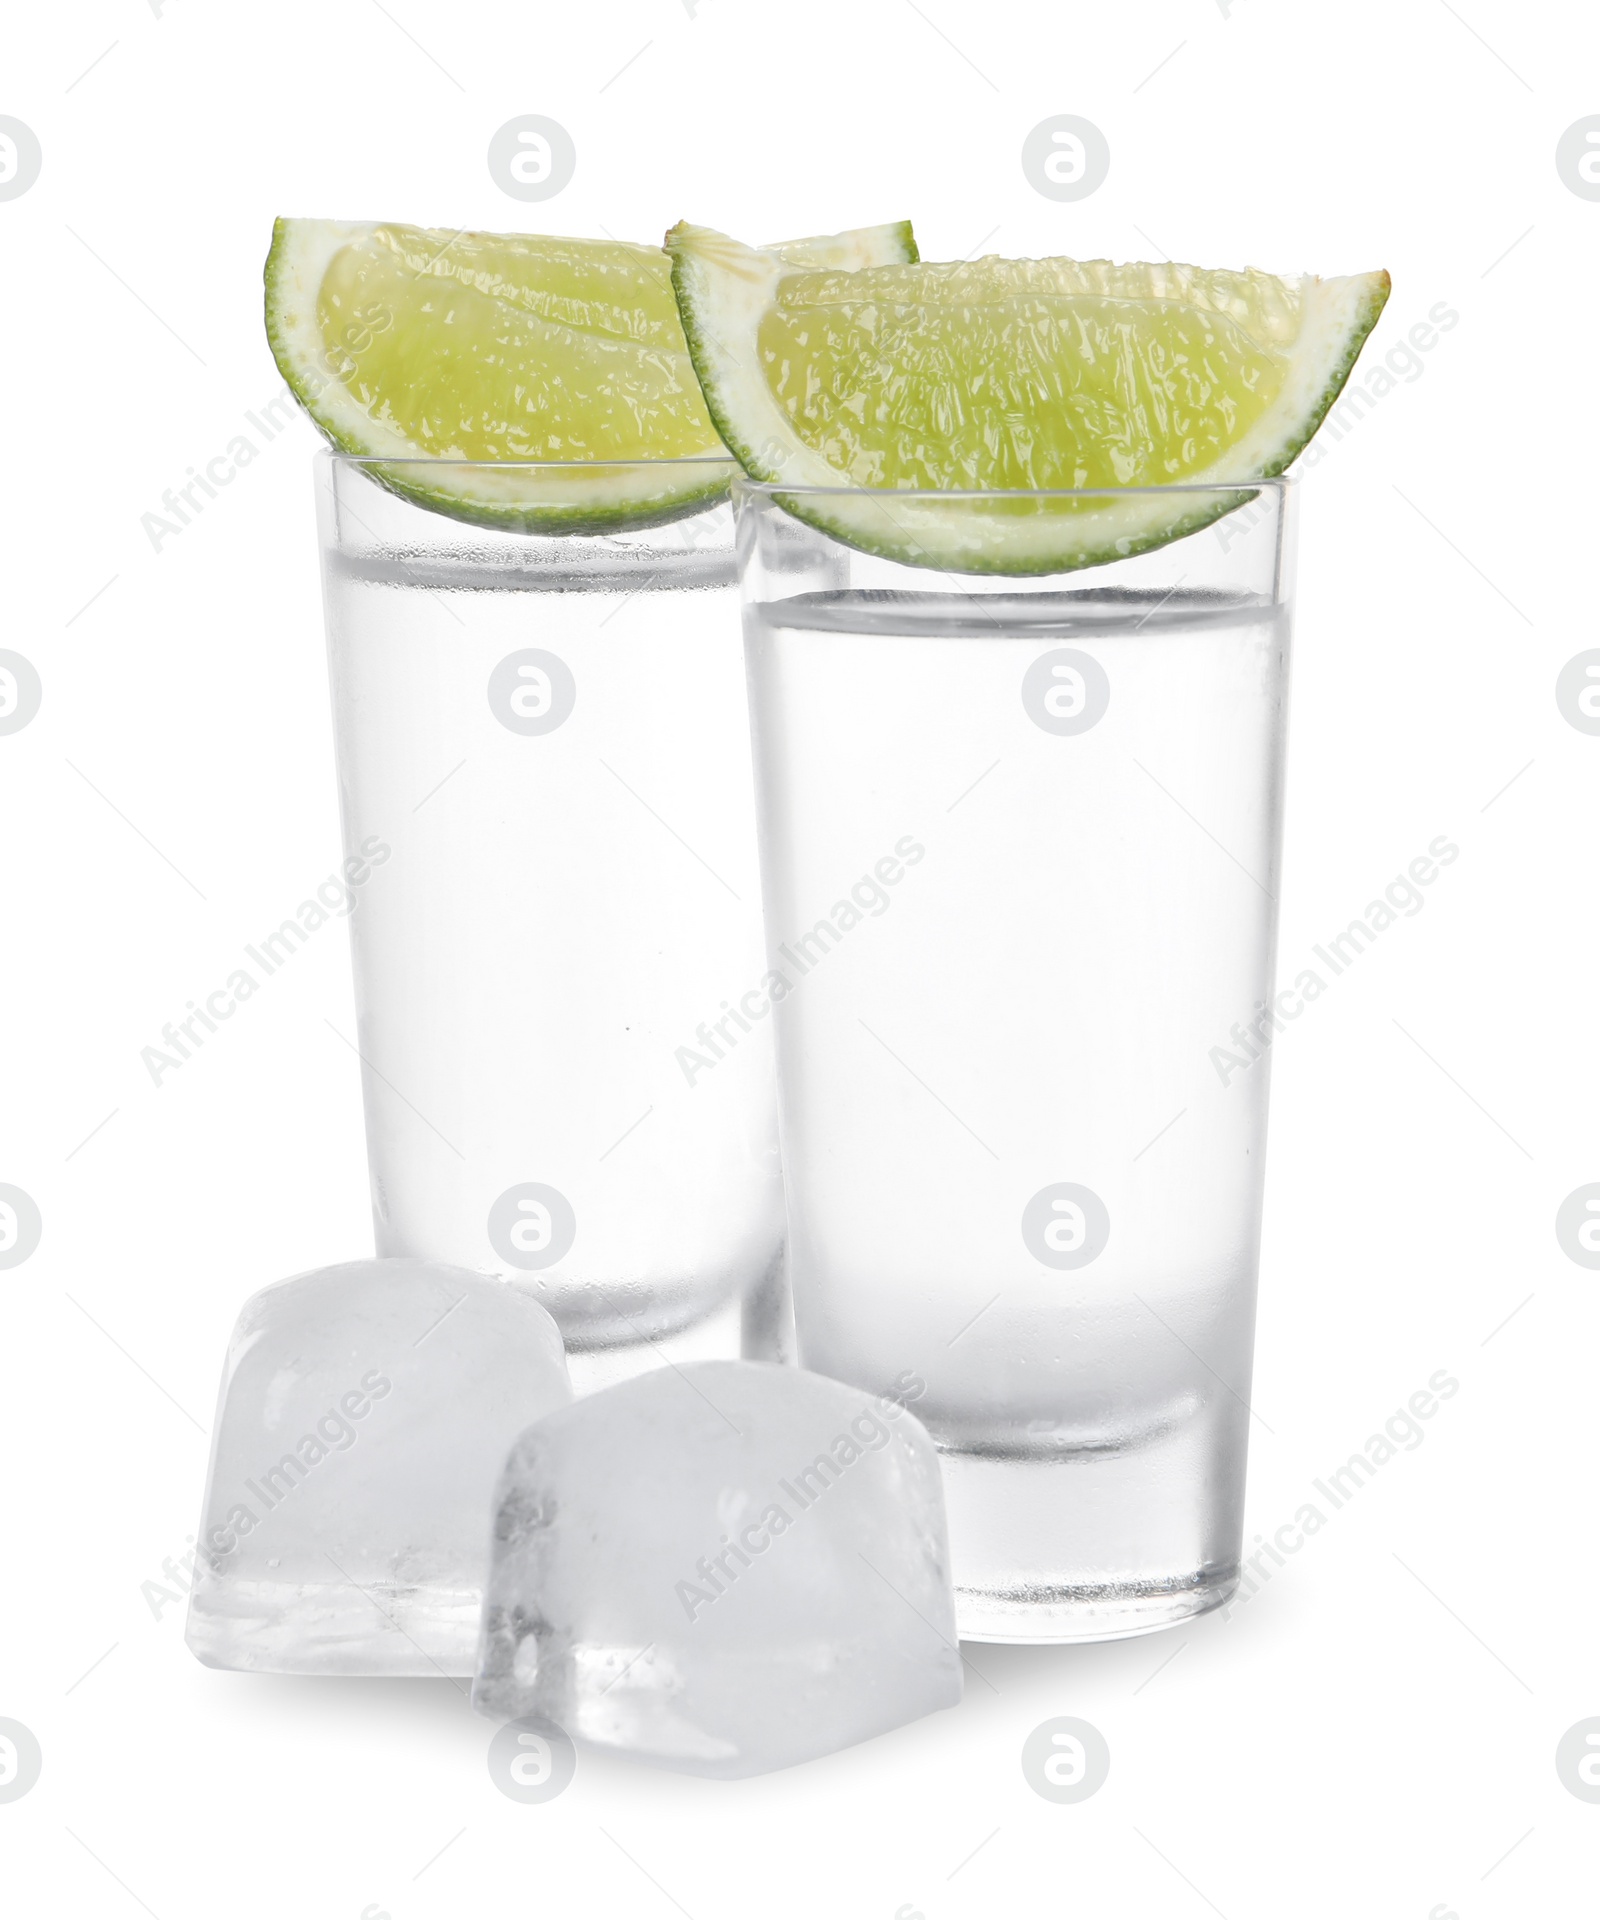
column 1086, row 1546
column 1060, row 1615
column 760, row 1326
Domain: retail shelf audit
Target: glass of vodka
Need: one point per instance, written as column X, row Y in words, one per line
column 544, row 771
column 1019, row 850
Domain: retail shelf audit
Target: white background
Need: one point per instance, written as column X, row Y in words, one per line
column 1374, row 1732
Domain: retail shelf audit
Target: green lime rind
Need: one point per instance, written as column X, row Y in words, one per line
column 586, row 502
column 583, row 497
column 891, row 245
column 724, row 289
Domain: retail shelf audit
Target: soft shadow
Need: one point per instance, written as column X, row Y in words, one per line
column 390, row 1702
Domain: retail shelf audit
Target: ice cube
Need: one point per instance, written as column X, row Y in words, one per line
column 722, row 1568
column 364, row 1418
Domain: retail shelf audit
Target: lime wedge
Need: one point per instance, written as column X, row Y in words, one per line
column 1012, row 374
column 410, row 342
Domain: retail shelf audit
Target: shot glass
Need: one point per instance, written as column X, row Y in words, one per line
column 1019, row 849
column 545, row 783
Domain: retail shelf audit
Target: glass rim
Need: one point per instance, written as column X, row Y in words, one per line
column 779, row 489
column 442, row 461
column 771, row 489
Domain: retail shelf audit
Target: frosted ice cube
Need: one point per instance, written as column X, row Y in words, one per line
column 723, row 1568
column 364, row 1418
